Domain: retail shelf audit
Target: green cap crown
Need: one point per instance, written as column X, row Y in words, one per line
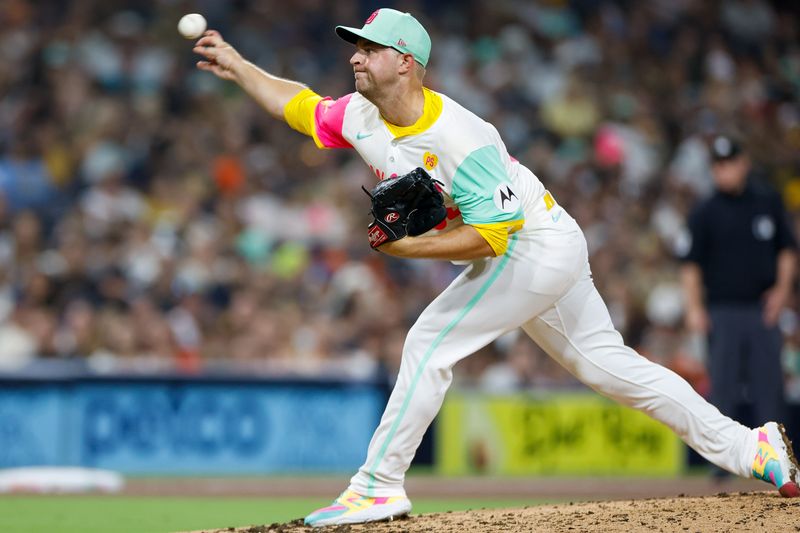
column 390, row 27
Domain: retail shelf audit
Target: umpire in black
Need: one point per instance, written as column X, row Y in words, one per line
column 737, row 275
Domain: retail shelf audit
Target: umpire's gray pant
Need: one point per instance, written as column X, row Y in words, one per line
column 745, row 362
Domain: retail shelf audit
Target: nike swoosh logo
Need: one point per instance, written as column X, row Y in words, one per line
column 360, row 135
column 557, row 216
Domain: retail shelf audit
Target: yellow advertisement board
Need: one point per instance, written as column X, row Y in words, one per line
column 572, row 434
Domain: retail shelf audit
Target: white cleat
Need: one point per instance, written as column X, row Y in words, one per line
column 353, row 508
column 774, row 461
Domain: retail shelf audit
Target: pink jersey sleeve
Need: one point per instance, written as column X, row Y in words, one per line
column 328, row 122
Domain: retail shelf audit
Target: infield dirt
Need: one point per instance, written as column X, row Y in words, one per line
column 722, row 513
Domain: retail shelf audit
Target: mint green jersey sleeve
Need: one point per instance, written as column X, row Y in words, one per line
column 482, row 189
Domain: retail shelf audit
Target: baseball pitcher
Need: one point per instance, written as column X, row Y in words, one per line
column 460, row 196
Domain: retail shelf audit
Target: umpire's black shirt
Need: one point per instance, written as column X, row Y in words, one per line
column 736, row 240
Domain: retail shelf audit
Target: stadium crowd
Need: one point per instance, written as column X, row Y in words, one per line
column 148, row 224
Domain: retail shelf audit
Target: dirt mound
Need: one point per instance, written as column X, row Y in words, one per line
column 745, row 512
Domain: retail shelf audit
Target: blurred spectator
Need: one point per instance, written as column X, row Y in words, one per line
column 150, row 224
column 20, row 346
column 571, row 112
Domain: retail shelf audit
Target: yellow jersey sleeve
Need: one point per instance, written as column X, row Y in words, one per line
column 496, row 234
column 299, row 113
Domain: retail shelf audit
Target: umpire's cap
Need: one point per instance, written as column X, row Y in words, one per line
column 725, row 147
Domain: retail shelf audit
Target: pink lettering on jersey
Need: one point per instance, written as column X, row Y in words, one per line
column 452, row 212
column 328, row 118
column 378, row 172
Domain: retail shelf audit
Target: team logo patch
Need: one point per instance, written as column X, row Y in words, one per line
column 763, row 227
column 505, row 199
column 372, row 17
column 430, row 160
column 391, row 217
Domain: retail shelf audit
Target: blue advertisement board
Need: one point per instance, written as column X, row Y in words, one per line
column 186, row 427
column 32, row 427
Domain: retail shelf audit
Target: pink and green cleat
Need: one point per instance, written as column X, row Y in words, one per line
column 774, row 461
column 353, row 508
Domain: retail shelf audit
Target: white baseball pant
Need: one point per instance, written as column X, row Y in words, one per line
column 543, row 285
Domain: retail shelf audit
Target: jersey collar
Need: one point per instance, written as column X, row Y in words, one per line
column 432, row 108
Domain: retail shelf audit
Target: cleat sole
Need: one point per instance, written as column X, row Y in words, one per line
column 789, row 489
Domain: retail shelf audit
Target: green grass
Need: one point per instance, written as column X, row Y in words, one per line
column 123, row 514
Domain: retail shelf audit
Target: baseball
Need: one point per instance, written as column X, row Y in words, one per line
column 192, row 25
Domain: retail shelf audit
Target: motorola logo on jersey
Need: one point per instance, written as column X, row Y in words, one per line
column 391, row 217
column 505, row 199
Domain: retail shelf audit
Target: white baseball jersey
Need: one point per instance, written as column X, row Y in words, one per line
column 482, row 184
column 540, row 281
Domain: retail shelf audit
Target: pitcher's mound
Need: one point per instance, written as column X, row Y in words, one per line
column 723, row 513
